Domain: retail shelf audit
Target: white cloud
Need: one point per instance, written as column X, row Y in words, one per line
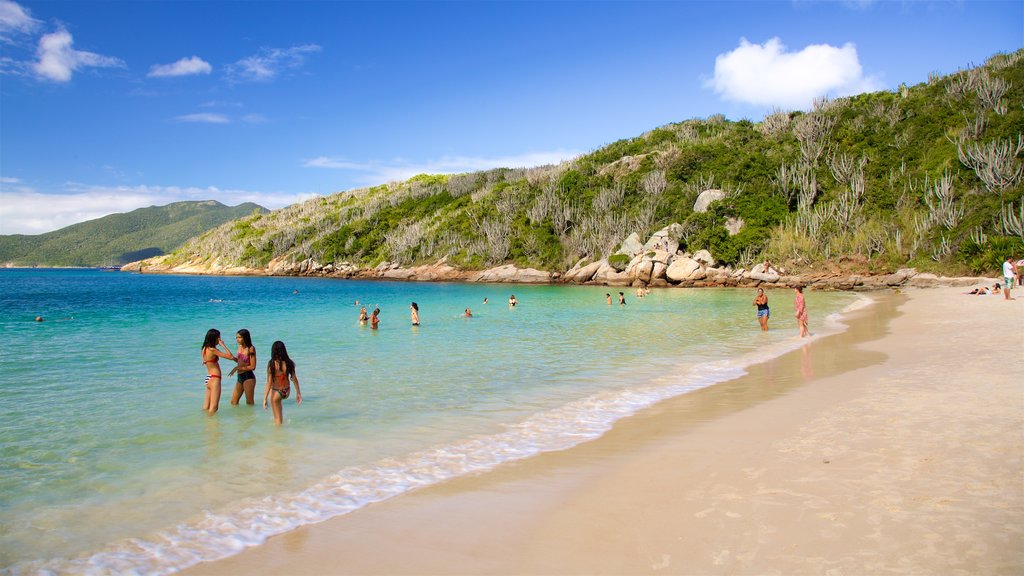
column 204, row 118
column 183, row 67
column 15, row 20
column 255, row 119
column 269, row 63
column 27, row 211
column 375, row 172
column 768, row 75
column 57, row 60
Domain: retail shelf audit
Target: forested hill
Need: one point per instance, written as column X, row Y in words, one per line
column 121, row 238
column 927, row 176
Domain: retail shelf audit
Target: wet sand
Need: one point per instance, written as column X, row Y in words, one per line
column 894, row 447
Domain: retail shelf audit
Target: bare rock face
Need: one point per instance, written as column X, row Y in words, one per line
column 706, row 198
column 509, row 273
column 681, row 269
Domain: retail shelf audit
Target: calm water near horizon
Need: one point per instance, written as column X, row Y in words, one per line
column 109, row 465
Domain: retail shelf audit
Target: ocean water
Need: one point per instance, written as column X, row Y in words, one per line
column 108, row 464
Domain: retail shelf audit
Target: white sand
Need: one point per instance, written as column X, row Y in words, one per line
column 901, row 455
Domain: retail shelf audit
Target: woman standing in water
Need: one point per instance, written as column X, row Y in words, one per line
column 280, row 370
column 375, row 318
column 246, row 379
column 762, row 309
column 362, row 315
column 801, row 310
column 415, row 314
column 211, row 355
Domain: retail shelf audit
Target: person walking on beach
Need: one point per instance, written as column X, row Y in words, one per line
column 362, row 315
column 280, row 370
column 415, row 314
column 761, row 301
column 375, row 318
column 211, row 355
column 801, row 310
column 246, row 379
column 1009, row 276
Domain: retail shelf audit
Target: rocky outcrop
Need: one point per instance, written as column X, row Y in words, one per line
column 651, row 265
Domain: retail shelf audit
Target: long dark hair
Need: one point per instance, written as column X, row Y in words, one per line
column 278, row 353
column 246, row 339
column 212, row 336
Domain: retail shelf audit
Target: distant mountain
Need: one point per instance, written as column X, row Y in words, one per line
column 121, row 238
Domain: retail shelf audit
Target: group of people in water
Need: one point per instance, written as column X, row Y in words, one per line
column 280, row 373
column 281, row 368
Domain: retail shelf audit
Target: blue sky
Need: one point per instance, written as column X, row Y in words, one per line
column 110, row 106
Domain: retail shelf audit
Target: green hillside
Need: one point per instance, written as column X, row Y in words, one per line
column 926, row 175
column 121, row 238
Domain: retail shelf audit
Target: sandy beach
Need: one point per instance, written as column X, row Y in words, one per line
column 896, row 447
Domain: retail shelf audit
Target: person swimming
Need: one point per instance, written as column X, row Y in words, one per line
column 211, row 356
column 468, row 314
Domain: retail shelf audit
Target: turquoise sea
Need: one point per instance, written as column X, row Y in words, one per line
column 108, row 465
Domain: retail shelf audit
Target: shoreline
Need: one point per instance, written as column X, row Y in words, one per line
column 757, row 474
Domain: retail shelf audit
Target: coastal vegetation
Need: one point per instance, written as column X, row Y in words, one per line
column 121, row 238
column 927, row 176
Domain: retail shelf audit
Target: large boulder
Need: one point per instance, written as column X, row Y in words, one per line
column 665, row 239
column 509, row 273
column 704, row 257
column 610, row 276
column 642, row 271
column 706, row 198
column 681, row 269
column 585, row 273
column 631, row 246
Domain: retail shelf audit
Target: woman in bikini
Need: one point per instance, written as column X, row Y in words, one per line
column 375, row 318
column 211, row 359
column 280, row 370
column 246, row 380
column 414, row 311
column 362, row 315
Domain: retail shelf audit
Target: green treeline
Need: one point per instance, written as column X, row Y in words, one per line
column 927, row 176
column 117, row 239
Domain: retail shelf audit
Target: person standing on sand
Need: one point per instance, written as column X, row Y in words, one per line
column 415, row 314
column 1009, row 276
column 375, row 318
column 280, row 370
column 211, row 355
column 246, row 383
column 801, row 310
column 761, row 301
